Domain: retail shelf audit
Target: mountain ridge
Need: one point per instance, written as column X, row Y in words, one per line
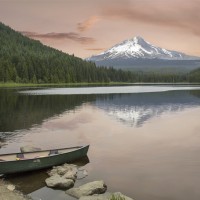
column 138, row 55
column 138, row 48
column 25, row 60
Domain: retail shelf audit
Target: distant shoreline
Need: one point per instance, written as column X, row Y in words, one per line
column 11, row 85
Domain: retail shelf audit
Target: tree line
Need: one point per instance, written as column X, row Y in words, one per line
column 23, row 60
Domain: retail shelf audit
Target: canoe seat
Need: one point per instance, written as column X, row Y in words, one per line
column 53, row 152
column 19, row 156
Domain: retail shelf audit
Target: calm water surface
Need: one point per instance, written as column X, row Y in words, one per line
column 146, row 145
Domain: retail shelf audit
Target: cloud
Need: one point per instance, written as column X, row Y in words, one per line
column 87, row 24
column 175, row 14
column 60, row 36
column 180, row 14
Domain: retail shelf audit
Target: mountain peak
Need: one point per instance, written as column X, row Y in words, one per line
column 134, row 41
column 138, row 48
column 138, row 39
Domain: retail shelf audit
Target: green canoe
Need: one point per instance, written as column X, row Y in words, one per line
column 29, row 161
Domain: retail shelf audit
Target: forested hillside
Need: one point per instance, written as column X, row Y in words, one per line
column 194, row 76
column 23, row 60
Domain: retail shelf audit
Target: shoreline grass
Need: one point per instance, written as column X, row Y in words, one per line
column 2, row 85
column 11, row 85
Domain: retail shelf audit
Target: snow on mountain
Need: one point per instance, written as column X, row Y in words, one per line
column 138, row 48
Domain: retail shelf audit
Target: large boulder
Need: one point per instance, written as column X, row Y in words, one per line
column 95, row 187
column 56, row 181
column 29, row 148
column 67, row 171
column 71, row 174
column 106, row 196
column 62, row 177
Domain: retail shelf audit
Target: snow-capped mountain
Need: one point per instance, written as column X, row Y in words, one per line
column 137, row 47
column 138, row 52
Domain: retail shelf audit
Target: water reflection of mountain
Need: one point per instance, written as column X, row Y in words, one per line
column 135, row 109
column 23, row 111
column 19, row 111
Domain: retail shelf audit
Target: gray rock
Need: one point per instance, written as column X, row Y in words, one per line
column 11, row 187
column 61, row 170
column 67, row 171
column 29, row 148
column 106, row 196
column 52, row 172
column 95, row 187
column 56, row 181
column 71, row 174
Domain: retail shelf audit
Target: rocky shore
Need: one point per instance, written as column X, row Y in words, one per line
column 8, row 192
column 65, row 176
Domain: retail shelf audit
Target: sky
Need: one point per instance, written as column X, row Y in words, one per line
column 88, row 27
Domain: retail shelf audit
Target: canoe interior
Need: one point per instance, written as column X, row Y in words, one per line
column 38, row 154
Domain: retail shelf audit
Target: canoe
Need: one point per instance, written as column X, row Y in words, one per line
column 23, row 180
column 29, row 161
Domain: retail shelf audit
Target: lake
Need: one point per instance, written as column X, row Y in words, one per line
column 144, row 140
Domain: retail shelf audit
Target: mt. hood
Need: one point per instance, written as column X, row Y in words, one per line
column 137, row 51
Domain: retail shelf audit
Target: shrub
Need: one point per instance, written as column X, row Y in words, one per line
column 117, row 197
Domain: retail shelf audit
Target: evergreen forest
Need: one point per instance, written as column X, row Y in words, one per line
column 24, row 60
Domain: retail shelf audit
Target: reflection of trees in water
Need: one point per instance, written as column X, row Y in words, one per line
column 195, row 93
column 23, row 111
column 135, row 109
column 19, row 112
